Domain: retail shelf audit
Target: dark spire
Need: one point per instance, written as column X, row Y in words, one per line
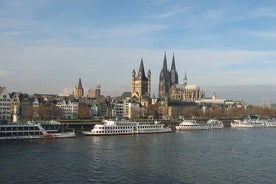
column 174, row 74
column 141, row 72
column 165, row 63
column 79, row 85
column 173, row 63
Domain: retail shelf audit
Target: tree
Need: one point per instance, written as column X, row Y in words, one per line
column 151, row 111
column 84, row 111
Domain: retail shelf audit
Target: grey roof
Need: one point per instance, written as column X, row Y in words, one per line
column 126, row 94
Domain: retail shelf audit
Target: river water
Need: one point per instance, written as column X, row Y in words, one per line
column 216, row 156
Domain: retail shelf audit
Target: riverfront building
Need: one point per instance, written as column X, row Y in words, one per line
column 69, row 109
column 5, row 104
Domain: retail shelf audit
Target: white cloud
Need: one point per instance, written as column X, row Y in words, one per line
column 66, row 92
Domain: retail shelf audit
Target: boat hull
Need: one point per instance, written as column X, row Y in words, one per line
column 90, row 133
column 48, row 136
column 127, row 128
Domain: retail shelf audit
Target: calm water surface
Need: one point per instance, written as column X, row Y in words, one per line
column 218, row 156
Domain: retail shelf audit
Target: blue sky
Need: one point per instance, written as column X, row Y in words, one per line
column 45, row 46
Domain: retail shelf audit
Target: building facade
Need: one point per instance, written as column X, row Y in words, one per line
column 94, row 93
column 15, row 106
column 69, row 109
column 5, row 104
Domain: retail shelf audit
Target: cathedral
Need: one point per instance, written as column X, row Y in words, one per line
column 174, row 97
column 171, row 90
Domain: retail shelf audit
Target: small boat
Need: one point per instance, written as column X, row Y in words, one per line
column 194, row 125
column 120, row 127
column 35, row 130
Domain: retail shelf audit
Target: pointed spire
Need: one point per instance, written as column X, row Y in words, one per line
column 79, row 84
column 141, row 72
column 165, row 63
column 173, row 63
column 173, row 73
column 185, row 79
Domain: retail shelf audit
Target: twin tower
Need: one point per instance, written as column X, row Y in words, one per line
column 141, row 84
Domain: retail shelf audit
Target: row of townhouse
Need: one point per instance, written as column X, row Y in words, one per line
column 18, row 106
column 68, row 108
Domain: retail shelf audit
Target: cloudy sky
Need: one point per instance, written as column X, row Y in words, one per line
column 224, row 46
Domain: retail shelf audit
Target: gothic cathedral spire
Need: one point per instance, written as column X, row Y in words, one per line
column 165, row 63
column 174, row 74
column 164, row 80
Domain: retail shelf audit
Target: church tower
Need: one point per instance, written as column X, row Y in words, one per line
column 164, row 80
column 141, row 85
column 78, row 90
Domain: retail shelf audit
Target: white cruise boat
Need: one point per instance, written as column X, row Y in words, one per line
column 252, row 121
column 32, row 130
column 215, row 124
column 241, row 124
column 270, row 124
column 126, row 127
column 194, row 125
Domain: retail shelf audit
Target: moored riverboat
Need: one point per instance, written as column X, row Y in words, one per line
column 194, row 125
column 117, row 127
column 35, row 130
column 271, row 124
column 251, row 121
